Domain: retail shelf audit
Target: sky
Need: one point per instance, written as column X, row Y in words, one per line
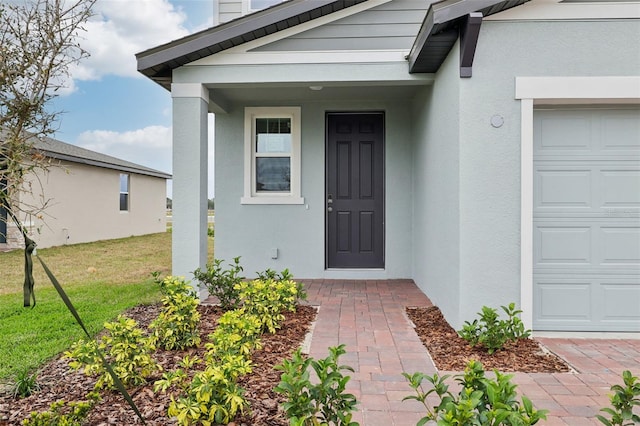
column 111, row 108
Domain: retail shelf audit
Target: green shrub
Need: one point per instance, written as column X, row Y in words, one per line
column 63, row 414
column 213, row 396
column 126, row 349
column 481, row 401
column 237, row 333
column 285, row 275
column 324, row 403
column 25, row 384
column 221, row 282
column 267, row 300
column 623, row 401
column 491, row 332
column 177, row 325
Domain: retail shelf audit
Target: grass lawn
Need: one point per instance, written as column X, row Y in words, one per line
column 102, row 279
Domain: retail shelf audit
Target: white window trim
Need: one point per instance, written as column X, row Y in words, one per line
column 251, row 196
column 564, row 91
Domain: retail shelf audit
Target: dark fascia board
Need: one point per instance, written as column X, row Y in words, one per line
column 158, row 62
column 444, row 17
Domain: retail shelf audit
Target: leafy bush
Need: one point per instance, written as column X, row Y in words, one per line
column 221, row 282
column 63, row 414
column 213, row 397
column 177, row 325
column 481, row 401
column 124, row 346
column 285, row 275
column 267, row 300
column 491, row 332
column 25, row 384
column 237, row 333
column 324, row 403
column 623, row 400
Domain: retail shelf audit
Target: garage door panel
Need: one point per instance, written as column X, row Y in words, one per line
column 570, row 132
column 620, row 188
column 586, row 218
column 621, row 302
column 563, row 245
column 563, row 188
column 564, row 300
column 620, row 130
column 620, row 245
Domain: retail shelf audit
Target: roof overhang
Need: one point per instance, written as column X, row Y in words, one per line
column 444, row 22
column 157, row 63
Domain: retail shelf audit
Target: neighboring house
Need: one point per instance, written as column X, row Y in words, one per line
column 489, row 150
column 90, row 197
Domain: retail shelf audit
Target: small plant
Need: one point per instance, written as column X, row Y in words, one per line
column 221, row 282
column 237, row 333
column 211, row 232
column 124, row 346
column 623, row 401
column 268, row 299
column 481, row 401
column 285, row 275
column 177, row 325
column 491, row 332
column 25, row 384
column 324, row 403
column 213, row 396
column 61, row 413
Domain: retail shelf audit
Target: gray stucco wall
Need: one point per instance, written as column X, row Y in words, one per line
column 251, row 231
column 489, row 158
column 436, row 203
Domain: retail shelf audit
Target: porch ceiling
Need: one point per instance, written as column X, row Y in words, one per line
column 260, row 95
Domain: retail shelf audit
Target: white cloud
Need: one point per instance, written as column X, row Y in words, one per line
column 149, row 146
column 122, row 28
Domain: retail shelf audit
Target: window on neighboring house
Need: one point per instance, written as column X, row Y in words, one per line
column 3, row 225
column 272, row 156
column 262, row 4
column 124, row 192
column 3, row 215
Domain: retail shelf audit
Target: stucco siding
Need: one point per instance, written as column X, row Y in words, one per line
column 436, row 210
column 490, row 156
column 297, row 231
column 84, row 205
column 392, row 25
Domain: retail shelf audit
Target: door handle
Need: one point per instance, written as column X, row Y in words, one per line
column 329, row 202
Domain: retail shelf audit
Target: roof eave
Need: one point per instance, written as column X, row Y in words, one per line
column 105, row 165
column 157, row 63
column 439, row 30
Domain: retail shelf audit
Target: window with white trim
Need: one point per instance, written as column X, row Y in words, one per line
column 272, row 155
column 124, row 192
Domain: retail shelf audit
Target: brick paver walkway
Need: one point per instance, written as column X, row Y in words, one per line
column 369, row 318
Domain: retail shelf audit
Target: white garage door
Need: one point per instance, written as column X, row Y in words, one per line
column 586, row 220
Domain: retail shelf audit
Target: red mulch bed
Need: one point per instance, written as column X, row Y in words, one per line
column 58, row 381
column 450, row 352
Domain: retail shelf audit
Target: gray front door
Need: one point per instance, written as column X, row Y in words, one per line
column 355, row 190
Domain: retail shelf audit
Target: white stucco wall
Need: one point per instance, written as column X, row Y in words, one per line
column 84, row 205
column 489, row 157
column 297, row 231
